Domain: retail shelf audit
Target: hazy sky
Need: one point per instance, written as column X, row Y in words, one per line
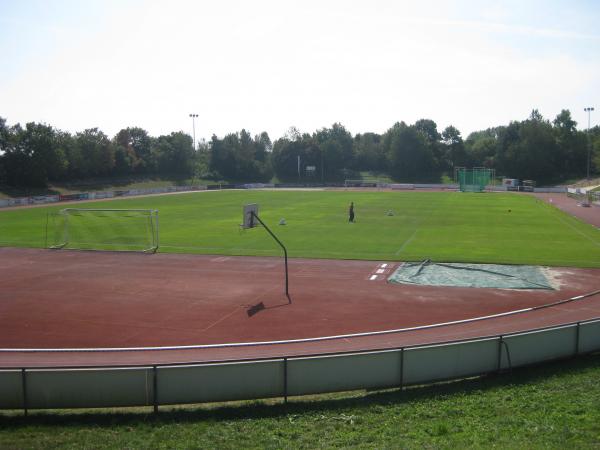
column 268, row 65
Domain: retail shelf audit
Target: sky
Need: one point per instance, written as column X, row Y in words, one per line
column 267, row 65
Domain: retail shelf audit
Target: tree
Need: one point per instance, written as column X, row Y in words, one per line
column 96, row 151
column 141, row 143
column 572, row 145
column 133, row 151
column 263, row 146
column 4, row 136
column 262, row 154
column 222, row 158
column 237, row 156
column 285, row 158
column 293, row 134
column 428, row 128
column 410, row 156
column 480, row 148
column 368, row 152
column 175, row 154
column 454, row 151
column 527, row 150
column 4, row 140
column 33, row 156
column 335, row 144
column 251, row 157
column 595, row 156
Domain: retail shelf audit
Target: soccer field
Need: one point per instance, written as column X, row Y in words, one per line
column 441, row 226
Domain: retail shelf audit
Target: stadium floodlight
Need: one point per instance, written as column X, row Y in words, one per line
column 104, row 229
column 589, row 152
column 193, row 116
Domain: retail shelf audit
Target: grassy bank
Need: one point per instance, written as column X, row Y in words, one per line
column 99, row 184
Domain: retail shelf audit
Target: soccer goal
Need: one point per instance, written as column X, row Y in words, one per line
column 104, row 229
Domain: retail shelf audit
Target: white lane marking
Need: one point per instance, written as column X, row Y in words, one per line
column 383, row 266
column 373, row 277
column 581, row 233
column 412, row 236
column 288, row 341
column 380, row 270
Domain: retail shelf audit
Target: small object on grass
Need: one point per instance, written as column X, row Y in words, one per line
column 509, row 210
column 390, row 213
column 282, row 221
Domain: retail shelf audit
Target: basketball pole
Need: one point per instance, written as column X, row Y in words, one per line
column 284, row 253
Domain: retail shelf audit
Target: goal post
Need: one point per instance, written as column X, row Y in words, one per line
column 104, row 229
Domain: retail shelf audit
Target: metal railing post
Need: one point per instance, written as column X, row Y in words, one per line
column 577, row 338
column 24, row 387
column 500, row 342
column 285, row 380
column 402, row 368
column 155, row 388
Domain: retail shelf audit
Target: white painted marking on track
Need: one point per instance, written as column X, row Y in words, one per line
column 384, row 266
column 577, row 298
column 380, row 270
column 220, row 259
column 373, row 277
column 288, row 341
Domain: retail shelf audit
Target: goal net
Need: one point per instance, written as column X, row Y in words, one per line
column 104, row 229
column 474, row 180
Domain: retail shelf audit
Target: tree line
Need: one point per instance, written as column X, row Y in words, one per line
column 534, row 148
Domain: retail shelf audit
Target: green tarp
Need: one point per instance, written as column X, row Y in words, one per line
column 428, row 273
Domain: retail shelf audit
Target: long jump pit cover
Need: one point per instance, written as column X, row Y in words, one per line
column 428, row 273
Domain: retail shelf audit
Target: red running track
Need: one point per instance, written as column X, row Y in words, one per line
column 118, row 303
column 571, row 206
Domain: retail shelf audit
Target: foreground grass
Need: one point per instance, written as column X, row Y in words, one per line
column 552, row 406
column 492, row 228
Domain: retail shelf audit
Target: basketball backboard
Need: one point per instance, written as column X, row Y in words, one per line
column 249, row 220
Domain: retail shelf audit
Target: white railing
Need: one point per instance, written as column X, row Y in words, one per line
column 165, row 384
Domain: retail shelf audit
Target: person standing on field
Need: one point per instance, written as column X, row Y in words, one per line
column 351, row 213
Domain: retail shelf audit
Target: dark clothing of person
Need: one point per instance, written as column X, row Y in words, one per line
column 351, row 213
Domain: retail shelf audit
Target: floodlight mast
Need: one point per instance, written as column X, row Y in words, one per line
column 193, row 116
column 255, row 216
column 589, row 111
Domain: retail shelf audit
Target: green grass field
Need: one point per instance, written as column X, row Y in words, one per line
column 441, row 226
column 551, row 406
